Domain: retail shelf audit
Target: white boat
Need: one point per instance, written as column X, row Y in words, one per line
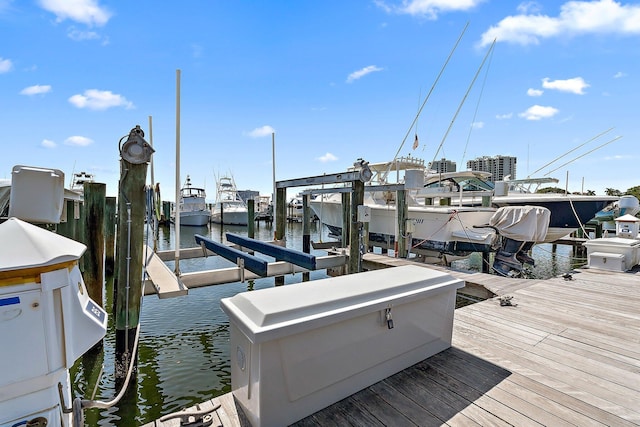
column 437, row 231
column 79, row 179
column 229, row 207
column 568, row 211
column 192, row 206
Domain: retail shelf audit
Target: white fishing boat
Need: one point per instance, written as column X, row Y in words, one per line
column 436, row 231
column 192, row 206
column 79, row 180
column 229, row 208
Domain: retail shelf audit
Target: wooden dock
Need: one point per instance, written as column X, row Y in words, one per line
column 565, row 353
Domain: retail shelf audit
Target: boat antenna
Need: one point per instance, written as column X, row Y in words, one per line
column 582, row 155
column 571, row 151
column 463, row 99
column 426, row 99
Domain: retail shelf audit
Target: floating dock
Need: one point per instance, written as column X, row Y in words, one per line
column 556, row 352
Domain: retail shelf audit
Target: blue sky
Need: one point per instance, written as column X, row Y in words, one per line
column 335, row 81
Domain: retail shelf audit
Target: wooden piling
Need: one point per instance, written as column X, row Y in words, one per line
column 306, row 233
column 68, row 228
column 94, row 201
column 109, row 236
column 403, row 211
column 281, row 220
column 129, row 255
column 357, row 199
column 251, row 221
column 80, row 233
column 346, row 219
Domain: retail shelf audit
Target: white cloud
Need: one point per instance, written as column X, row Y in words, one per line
column 94, row 99
column 35, row 90
column 78, row 141
column 328, row 157
column 619, row 75
column 534, row 92
column 47, row 143
column 261, row 131
column 362, row 72
column 80, row 35
column 575, row 85
column 477, row 125
column 429, row 8
column 575, row 18
column 538, row 112
column 5, row 65
column 87, row 12
column 529, row 7
column 504, row 116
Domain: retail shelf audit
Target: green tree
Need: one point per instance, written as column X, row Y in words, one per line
column 634, row 191
column 612, row 192
column 551, row 190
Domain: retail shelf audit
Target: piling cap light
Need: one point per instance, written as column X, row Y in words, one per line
column 135, row 149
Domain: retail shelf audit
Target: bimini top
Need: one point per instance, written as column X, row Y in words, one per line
column 25, row 245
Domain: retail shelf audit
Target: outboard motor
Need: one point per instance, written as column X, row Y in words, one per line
column 519, row 227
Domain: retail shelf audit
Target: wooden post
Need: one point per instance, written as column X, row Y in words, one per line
column 403, row 211
column 306, row 233
column 357, row 199
column 94, row 200
column 281, row 222
column 129, row 251
column 346, row 219
column 68, row 228
column 251, row 221
column 80, row 232
column 109, row 236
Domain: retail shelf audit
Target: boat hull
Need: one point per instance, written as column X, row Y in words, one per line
column 567, row 213
column 194, row 219
column 231, row 217
column 437, row 230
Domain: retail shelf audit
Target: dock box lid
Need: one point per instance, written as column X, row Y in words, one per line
column 611, row 242
column 274, row 312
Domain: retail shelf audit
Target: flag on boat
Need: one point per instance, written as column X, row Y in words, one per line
column 416, row 143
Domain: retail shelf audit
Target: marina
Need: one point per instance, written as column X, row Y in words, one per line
column 248, row 259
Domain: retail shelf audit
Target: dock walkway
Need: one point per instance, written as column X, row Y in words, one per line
column 566, row 353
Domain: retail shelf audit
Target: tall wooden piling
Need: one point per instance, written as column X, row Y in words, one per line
column 109, row 236
column 281, row 220
column 306, row 233
column 131, row 213
column 94, row 201
column 357, row 199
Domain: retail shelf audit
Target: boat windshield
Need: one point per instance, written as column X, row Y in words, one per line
column 465, row 183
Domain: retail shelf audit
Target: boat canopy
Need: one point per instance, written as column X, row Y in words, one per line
column 33, row 246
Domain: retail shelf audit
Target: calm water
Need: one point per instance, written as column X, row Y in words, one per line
column 183, row 351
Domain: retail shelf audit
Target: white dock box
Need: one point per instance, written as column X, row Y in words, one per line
column 629, row 248
column 297, row 349
column 604, row 261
